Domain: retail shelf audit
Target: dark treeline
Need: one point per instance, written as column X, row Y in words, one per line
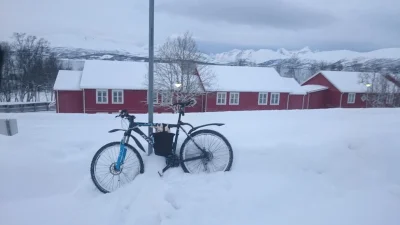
column 28, row 69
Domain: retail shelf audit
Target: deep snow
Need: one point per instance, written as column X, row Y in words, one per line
column 315, row 167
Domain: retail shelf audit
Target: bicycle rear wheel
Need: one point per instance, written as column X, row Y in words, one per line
column 219, row 152
column 102, row 170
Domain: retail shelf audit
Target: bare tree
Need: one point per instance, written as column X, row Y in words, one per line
column 2, row 56
column 381, row 92
column 8, row 84
column 181, row 64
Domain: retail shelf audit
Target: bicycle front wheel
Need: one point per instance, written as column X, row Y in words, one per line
column 218, row 157
column 102, row 170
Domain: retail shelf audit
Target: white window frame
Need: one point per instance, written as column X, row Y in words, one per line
column 97, row 96
column 169, row 95
column 348, row 98
column 390, row 99
column 232, row 96
column 266, row 98
column 224, row 98
column 272, row 97
column 122, row 96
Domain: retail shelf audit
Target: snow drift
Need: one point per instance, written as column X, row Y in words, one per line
column 314, row 167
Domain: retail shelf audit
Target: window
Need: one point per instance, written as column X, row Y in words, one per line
column 166, row 98
column 262, row 98
column 351, row 98
column 101, row 96
column 389, row 99
column 118, row 97
column 221, row 98
column 274, row 99
column 234, row 98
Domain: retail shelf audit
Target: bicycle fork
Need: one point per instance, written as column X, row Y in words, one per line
column 121, row 155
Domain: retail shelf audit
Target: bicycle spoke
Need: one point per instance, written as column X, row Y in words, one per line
column 110, row 179
column 213, row 144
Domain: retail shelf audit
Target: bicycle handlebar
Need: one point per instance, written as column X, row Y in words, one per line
column 124, row 113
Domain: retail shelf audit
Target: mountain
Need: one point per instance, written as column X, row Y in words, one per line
column 261, row 56
column 264, row 55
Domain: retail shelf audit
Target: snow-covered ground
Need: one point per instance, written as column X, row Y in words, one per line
column 317, row 167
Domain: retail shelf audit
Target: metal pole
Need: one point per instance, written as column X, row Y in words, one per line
column 151, row 70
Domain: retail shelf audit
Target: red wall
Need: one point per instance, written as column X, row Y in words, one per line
column 332, row 96
column 316, row 100
column 247, row 101
column 296, row 101
column 134, row 102
column 69, row 101
column 357, row 104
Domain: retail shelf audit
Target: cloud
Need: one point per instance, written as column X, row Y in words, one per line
column 271, row 13
column 292, row 24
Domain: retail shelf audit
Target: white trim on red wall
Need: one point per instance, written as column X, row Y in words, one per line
column 58, row 103
column 119, row 92
column 230, row 98
column 224, row 98
column 278, row 98
column 97, row 96
column 84, row 101
column 266, row 98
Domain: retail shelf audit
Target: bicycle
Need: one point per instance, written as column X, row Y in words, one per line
column 164, row 144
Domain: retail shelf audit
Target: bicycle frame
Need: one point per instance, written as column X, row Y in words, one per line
column 134, row 126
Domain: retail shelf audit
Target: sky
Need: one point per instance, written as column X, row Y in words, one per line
column 217, row 25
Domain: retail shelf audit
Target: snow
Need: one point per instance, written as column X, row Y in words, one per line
column 297, row 167
column 346, row 81
column 251, row 79
column 293, row 85
column 68, row 80
column 106, row 74
column 263, row 55
column 313, row 88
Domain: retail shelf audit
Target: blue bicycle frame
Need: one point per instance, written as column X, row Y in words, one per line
column 122, row 149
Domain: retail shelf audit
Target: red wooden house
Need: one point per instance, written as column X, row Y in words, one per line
column 337, row 89
column 239, row 88
column 108, row 86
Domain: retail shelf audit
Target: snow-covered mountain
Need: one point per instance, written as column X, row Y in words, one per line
column 260, row 56
column 263, row 55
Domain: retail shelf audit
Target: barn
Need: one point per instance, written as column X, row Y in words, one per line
column 337, row 89
column 107, row 86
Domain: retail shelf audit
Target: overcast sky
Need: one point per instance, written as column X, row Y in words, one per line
column 218, row 25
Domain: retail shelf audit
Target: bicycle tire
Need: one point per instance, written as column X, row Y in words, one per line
column 201, row 132
column 100, row 151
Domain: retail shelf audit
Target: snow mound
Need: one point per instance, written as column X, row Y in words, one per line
column 311, row 167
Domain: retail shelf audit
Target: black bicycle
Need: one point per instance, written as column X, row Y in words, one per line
column 113, row 165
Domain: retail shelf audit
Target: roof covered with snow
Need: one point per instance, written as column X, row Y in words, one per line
column 313, row 88
column 352, row 81
column 114, row 75
column 346, row 81
column 252, row 79
column 68, row 80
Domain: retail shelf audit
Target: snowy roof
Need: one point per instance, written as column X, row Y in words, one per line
column 349, row 81
column 313, row 88
column 251, row 79
column 106, row 74
column 68, row 80
column 294, row 85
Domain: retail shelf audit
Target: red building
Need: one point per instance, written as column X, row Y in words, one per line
column 340, row 89
column 108, row 86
